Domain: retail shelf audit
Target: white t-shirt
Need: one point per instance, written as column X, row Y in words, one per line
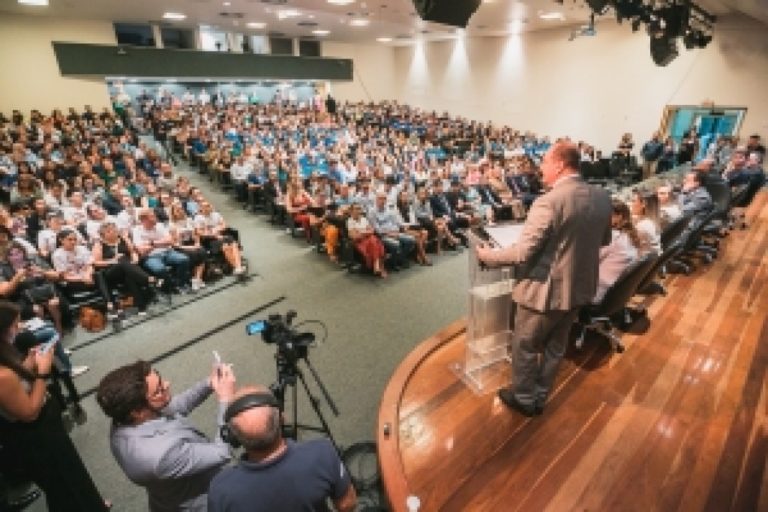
column 74, row 262
column 360, row 224
column 92, row 227
column 208, row 223
column 143, row 236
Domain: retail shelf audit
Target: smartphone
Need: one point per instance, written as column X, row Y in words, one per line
column 255, row 327
column 48, row 345
column 217, row 362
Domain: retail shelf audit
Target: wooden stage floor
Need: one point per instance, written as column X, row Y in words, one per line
column 677, row 422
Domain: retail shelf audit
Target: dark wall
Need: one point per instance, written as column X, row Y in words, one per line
column 106, row 60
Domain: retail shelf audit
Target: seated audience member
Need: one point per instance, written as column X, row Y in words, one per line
column 297, row 201
column 46, row 239
column 217, row 238
column 413, row 227
column 645, row 215
column 75, row 213
column 187, row 240
column 325, row 219
column 74, row 263
column 155, row 444
column 365, row 241
column 37, row 219
column 438, row 226
column 694, row 199
column 275, row 474
column 128, row 216
column 154, row 244
column 35, row 442
column 96, row 215
column 389, row 227
column 735, row 172
column 669, row 206
column 116, row 261
column 29, row 282
column 620, row 253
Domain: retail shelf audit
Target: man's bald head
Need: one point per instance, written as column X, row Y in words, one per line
column 257, row 428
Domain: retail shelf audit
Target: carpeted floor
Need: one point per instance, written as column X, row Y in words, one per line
column 372, row 324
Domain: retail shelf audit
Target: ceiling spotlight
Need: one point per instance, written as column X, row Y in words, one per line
column 227, row 4
column 321, row 32
column 288, row 13
column 174, row 16
column 551, row 16
column 663, row 50
column 359, row 22
column 341, row 2
column 384, row 39
column 256, row 24
column 36, row 3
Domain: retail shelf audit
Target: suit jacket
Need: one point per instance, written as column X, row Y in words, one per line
column 169, row 457
column 558, row 251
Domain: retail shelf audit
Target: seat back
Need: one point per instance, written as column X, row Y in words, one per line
column 667, row 254
column 745, row 197
column 673, row 231
column 721, row 196
column 619, row 294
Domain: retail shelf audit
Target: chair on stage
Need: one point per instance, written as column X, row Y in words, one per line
column 597, row 317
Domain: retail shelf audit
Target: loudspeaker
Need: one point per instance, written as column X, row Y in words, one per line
column 449, row 12
column 242, row 404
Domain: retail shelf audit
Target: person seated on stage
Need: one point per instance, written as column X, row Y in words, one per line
column 365, row 241
column 277, row 475
column 669, row 206
column 154, row 243
column 217, row 238
column 74, row 262
column 116, row 260
column 645, row 215
column 620, row 253
column 694, row 199
column 389, row 227
column 152, row 440
column 413, row 227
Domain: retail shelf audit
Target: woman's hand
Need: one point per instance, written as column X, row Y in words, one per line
column 43, row 360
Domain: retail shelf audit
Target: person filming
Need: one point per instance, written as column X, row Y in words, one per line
column 152, row 440
column 275, row 474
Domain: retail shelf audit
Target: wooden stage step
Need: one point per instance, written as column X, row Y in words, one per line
column 677, row 422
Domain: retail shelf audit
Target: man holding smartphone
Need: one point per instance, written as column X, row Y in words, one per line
column 153, row 441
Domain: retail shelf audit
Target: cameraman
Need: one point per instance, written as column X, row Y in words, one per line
column 154, row 443
column 276, row 475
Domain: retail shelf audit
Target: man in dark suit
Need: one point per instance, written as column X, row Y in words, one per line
column 557, row 267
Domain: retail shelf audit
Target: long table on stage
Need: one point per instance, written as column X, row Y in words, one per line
column 679, row 421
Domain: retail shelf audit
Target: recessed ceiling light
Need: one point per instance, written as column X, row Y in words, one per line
column 552, row 16
column 384, row 39
column 256, row 24
column 288, row 13
column 321, row 32
column 227, row 4
column 359, row 22
column 341, row 2
column 36, row 3
column 174, row 16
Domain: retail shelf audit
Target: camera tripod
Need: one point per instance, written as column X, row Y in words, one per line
column 288, row 373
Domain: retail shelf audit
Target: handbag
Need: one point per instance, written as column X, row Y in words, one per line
column 40, row 293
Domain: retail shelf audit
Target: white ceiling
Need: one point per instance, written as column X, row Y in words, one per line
column 388, row 18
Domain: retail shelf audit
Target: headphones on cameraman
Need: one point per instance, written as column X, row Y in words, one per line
column 240, row 405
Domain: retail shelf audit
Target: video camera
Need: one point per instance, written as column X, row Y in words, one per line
column 291, row 344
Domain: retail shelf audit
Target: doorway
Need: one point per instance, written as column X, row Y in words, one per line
column 709, row 122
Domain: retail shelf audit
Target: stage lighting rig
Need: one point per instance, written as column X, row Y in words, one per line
column 666, row 21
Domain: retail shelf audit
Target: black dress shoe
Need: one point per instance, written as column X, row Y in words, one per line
column 510, row 401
